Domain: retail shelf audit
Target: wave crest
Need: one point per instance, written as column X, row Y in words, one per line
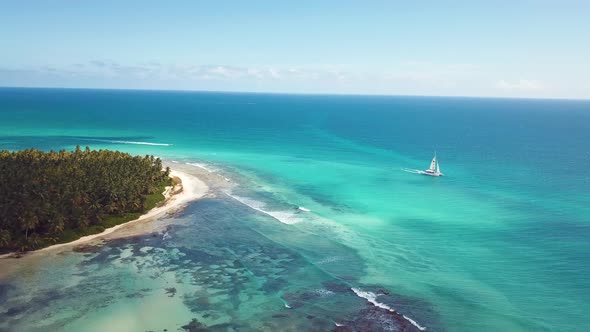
column 372, row 298
column 125, row 142
column 203, row 166
column 286, row 217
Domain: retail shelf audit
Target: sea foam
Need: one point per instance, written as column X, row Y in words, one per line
column 331, row 259
column 203, row 166
column 372, row 298
column 323, row 292
column 126, row 142
column 286, row 217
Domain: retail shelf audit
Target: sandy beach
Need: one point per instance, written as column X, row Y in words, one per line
column 189, row 189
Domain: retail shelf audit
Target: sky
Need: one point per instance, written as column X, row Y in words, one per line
column 538, row 49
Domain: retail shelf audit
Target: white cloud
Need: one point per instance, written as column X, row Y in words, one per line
column 520, row 85
column 274, row 73
column 406, row 78
column 255, row 73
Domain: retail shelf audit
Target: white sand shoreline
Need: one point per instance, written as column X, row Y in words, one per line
column 192, row 189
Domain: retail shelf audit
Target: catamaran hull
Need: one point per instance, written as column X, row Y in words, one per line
column 431, row 173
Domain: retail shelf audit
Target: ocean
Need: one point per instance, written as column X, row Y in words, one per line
column 324, row 230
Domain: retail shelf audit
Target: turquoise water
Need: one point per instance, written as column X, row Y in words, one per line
column 498, row 244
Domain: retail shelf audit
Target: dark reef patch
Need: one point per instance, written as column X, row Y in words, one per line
column 171, row 291
column 336, row 287
column 194, row 326
column 87, row 248
column 5, row 290
column 224, row 263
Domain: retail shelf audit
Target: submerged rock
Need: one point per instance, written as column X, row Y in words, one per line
column 194, row 326
column 171, row 291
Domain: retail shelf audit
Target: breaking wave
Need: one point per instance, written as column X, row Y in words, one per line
column 372, row 298
column 203, row 166
column 125, row 142
column 286, row 217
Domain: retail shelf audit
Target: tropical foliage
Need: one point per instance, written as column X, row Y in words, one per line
column 57, row 196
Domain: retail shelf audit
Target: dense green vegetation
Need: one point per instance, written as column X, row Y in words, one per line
column 55, row 197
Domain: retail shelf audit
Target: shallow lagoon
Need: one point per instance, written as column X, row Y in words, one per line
column 218, row 262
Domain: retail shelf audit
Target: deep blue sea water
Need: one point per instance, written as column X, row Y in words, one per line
column 498, row 244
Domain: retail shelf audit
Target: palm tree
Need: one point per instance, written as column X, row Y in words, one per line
column 4, row 238
column 42, row 194
column 28, row 222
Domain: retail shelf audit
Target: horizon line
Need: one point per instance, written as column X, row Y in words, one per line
column 291, row 93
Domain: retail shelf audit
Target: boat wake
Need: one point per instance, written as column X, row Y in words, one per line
column 372, row 298
column 413, row 171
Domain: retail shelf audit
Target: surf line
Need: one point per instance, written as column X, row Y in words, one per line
column 202, row 166
column 124, row 142
column 372, row 298
column 284, row 217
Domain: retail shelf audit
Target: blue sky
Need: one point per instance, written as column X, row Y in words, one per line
column 458, row 48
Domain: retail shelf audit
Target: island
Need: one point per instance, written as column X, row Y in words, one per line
column 54, row 197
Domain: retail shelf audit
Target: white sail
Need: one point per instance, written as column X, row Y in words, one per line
column 433, row 164
column 437, row 167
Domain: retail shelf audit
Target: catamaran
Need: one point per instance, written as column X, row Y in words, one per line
column 434, row 169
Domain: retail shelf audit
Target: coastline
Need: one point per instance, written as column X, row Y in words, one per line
column 191, row 188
